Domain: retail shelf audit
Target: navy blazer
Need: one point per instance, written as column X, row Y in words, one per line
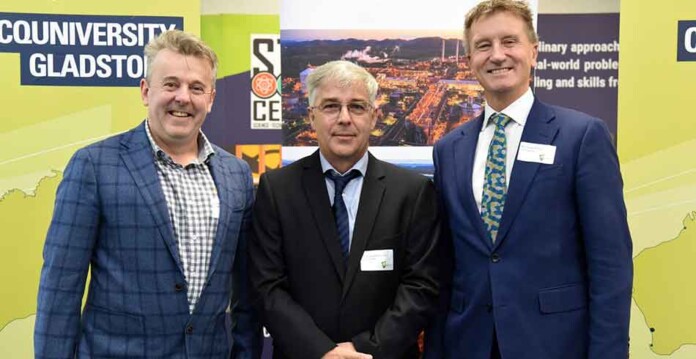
column 111, row 216
column 557, row 282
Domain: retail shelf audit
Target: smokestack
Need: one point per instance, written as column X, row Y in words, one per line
column 456, row 57
column 442, row 58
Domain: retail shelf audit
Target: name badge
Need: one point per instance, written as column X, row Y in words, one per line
column 537, row 153
column 379, row 260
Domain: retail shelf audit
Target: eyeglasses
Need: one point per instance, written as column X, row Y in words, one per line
column 331, row 109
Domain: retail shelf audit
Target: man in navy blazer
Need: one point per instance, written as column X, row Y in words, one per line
column 552, row 276
column 160, row 216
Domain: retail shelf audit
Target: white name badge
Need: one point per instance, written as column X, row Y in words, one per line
column 535, row 152
column 379, row 260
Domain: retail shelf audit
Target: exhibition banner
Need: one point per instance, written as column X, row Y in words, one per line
column 70, row 76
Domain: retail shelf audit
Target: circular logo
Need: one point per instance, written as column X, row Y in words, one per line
column 264, row 85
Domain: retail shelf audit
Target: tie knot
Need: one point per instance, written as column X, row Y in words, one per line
column 341, row 181
column 501, row 120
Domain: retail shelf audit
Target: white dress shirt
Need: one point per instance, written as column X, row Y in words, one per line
column 351, row 194
column 518, row 112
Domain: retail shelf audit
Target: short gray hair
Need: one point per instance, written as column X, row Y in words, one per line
column 346, row 73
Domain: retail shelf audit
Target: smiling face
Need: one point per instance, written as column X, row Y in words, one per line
column 178, row 94
column 343, row 138
column 502, row 56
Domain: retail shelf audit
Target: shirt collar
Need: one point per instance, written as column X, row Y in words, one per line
column 517, row 111
column 205, row 149
column 361, row 165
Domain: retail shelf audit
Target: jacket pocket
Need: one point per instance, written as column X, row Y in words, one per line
column 112, row 334
column 563, row 298
column 550, row 170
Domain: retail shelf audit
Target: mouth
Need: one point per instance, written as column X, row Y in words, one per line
column 499, row 71
column 180, row 114
column 343, row 135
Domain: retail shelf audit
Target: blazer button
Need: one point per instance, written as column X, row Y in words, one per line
column 189, row 329
column 179, row 287
column 495, row 258
column 489, row 307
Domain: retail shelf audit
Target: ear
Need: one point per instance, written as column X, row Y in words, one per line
column 211, row 100
column 375, row 114
column 535, row 53
column 311, row 118
column 144, row 91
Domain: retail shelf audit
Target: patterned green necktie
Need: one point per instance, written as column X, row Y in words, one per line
column 494, row 188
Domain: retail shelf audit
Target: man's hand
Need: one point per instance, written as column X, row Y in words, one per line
column 345, row 351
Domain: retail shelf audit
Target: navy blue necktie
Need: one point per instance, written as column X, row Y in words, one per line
column 339, row 208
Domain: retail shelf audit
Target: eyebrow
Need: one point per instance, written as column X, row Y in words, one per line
column 170, row 78
column 174, row 78
column 349, row 101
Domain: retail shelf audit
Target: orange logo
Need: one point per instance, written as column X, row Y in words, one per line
column 264, row 85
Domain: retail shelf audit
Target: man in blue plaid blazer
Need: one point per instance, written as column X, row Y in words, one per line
column 160, row 216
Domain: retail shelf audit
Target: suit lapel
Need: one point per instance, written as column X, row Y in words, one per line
column 368, row 208
column 464, row 154
column 314, row 188
column 137, row 154
column 222, row 179
column 540, row 129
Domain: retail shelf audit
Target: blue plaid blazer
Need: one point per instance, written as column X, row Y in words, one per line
column 111, row 216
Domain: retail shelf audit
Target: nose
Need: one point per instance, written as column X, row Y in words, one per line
column 497, row 53
column 182, row 95
column 344, row 115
